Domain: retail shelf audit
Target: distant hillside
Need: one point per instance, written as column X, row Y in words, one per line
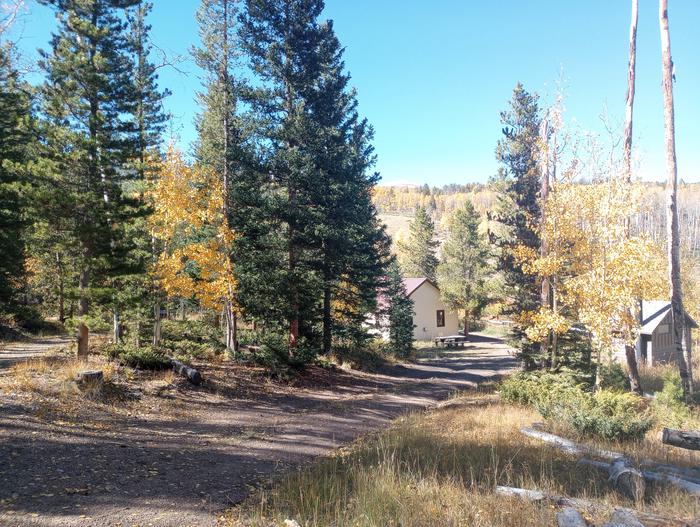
column 397, row 204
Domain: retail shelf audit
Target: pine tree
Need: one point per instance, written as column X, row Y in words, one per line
column 417, row 255
column 87, row 101
column 462, row 271
column 15, row 150
column 398, row 313
column 281, row 39
column 518, row 208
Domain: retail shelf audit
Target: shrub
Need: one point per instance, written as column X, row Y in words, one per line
column 613, row 377
column 530, row 388
column 191, row 339
column 145, row 358
column 608, row 414
column 563, row 398
column 669, row 405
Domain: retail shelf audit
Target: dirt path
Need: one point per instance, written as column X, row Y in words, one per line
column 12, row 352
column 162, row 470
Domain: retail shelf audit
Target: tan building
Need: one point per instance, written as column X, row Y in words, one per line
column 431, row 318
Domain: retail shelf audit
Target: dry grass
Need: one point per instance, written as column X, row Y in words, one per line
column 440, row 468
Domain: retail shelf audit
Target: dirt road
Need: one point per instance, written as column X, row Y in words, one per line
column 12, row 352
column 152, row 469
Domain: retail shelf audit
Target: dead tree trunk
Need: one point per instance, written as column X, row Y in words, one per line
column 630, row 351
column 673, row 235
column 83, row 307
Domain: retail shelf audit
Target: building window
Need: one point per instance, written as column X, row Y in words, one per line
column 440, row 318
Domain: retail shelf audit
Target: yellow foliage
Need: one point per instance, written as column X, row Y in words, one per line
column 189, row 218
column 601, row 271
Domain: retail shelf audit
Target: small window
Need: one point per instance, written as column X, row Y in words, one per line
column 440, row 318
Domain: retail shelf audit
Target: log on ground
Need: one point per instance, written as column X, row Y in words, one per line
column 192, row 374
column 682, row 439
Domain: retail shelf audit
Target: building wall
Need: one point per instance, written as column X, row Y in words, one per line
column 662, row 342
column 426, row 303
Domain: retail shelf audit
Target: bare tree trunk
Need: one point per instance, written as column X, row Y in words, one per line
column 83, row 308
column 157, row 325
column 61, row 293
column 544, row 194
column 630, row 351
column 116, row 327
column 327, row 319
column 673, row 237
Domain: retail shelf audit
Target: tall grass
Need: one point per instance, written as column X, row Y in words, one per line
column 439, row 469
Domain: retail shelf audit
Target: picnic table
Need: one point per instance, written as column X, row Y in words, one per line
column 451, row 340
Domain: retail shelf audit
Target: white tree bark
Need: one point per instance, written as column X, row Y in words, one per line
column 673, row 236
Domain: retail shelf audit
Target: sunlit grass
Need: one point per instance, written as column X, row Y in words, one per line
column 441, row 468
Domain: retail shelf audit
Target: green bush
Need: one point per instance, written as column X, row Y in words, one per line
column 669, row 405
column 529, row 388
column 191, row 339
column 612, row 415
column 145, row 358
column 614, row 377
column 564, row 399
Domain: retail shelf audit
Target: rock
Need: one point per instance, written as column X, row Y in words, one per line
column 291, row 523
column 570, row 517
column 624, row 518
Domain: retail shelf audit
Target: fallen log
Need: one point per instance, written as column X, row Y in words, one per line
column 681, row 439
column 673, row 477
column 648, row 519
column 650, row 475
column 186, row 371
column 570, row 447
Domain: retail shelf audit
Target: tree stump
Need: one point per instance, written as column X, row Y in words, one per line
column 89, row 377
column 681, row 439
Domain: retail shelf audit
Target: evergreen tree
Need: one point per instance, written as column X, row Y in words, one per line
column 417, row 255
column 398, row 313
column 15, row 149
column 518, row 208
column 462, row 271
column 281, row 39
column 88, row 101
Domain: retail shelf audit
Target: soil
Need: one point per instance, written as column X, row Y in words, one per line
column 170, row 454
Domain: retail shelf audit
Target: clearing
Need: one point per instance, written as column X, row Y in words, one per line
column 160, row 452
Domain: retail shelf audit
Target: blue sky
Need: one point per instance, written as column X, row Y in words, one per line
column 433, row 75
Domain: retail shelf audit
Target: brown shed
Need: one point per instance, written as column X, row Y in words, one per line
column 656, row 337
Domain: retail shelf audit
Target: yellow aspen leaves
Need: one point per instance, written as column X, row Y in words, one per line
column 188, row 218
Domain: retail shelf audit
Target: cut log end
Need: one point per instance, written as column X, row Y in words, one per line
column 627, row 480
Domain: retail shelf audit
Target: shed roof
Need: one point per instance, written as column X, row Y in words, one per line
column 654, row 311
column 411, row 284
